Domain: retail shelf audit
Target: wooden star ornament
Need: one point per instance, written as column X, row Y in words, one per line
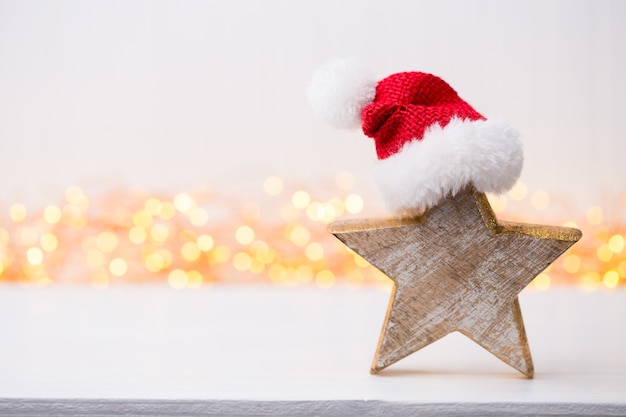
column 455, row 268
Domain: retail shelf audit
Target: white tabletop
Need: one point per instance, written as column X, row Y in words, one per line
column 287, row 351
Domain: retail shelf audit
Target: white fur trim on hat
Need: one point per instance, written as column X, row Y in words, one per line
column 485, row 153
column 339, row 91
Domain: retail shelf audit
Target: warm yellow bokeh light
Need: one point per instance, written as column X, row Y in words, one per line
column 325, row 278
column 167, row 256
column 338, row 205
column 95, row 259
column 73, row 217
column 155, row 262
column 48, row 242
column 205, row 243
column 242, row 261
column 4, row 237
column 220, row 254
column 300, row 199
column 159, row 232
column 591, row 280
column 28, row 236
column 604, row 253
column 519, row 191
column 610, row 279
column 17, row 212
column 276, row 273
column 74, row 195
column 314, row 251
column 353, row 204
column 34, row 256
column 299, row 235
column 106, row 242
column 76, row 198
column 183, row 202
column 498, row 203
column 118, row 267
column 315, row 211
column 244, row 235
column 194, row 279
column 304, row 273
column 571, row 264
column 177, row 279
column 142, row 219
column 198, row 216
column 190, row 251
column 145, row 237
column 153, row 206
column 263, row 252
column 540, row 200
column 257, row 267
column 168, row 210
column 327, row 212
column 273, row 186
column 137, row 235
column 616, row 243
column 52, row 214
column 187, row 234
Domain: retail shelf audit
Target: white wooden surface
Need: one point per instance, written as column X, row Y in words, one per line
column 248, row 350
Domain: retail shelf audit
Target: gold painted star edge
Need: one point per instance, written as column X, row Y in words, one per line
column 358, row 234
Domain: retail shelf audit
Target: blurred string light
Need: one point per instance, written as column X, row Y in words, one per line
column 191, row 240
column 187, row 240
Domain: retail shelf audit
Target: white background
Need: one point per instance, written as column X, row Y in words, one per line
column 169, row 95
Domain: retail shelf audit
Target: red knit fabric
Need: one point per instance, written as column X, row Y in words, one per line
column 406, row 104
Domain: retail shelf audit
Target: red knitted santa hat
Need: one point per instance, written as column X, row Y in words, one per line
column 430, row 143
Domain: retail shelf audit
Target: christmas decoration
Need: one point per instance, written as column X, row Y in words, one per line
column 454, row 266
column 429, row 142
column 187, row 240
column 65, row 237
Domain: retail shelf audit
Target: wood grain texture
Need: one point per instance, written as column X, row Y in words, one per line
column 455, row 268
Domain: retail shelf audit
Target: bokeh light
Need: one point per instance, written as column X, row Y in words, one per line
column 17, row 212
column 354, row 204
column 273, row 186
column 300, row 199
column 540, row 200
column 189, row 240
column 244, row 235
column 52, row 214
column 118, row 267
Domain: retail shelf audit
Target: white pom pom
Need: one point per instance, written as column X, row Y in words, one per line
column 340, row 90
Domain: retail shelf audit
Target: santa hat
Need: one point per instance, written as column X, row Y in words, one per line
column 430, row 143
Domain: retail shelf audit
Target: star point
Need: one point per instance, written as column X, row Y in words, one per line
column 455, row 268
